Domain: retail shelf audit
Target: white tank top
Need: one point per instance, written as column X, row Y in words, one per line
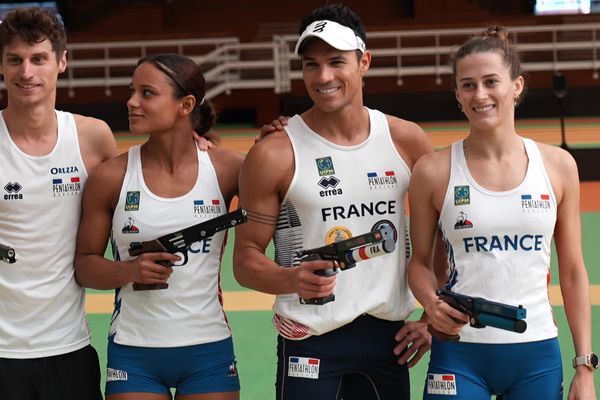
column 338, row 192
column 41, row 304
column 190, row 311
column 498, row 245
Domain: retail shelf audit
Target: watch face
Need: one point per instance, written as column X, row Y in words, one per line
column 594, row 360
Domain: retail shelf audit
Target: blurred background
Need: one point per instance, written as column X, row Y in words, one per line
column 246, row 51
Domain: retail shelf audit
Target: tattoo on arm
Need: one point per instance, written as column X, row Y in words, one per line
column 261, row 218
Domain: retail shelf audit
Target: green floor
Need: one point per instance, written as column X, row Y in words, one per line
column 255, row 344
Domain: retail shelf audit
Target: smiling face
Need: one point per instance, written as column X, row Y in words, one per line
column 152, row 106
column 31, row 72
column 486, row 91
column 333, row 78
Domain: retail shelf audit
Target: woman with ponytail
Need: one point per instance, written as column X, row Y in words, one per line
column 177, row 337
column 498, row 200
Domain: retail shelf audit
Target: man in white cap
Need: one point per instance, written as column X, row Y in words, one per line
column 337, row 171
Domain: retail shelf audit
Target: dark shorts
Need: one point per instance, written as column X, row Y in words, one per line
column 203, row 368
column 474, row 371
column 71, row 376
column 354, row 362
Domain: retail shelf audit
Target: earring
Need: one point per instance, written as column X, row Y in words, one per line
column 516, row 101
column 460, row 107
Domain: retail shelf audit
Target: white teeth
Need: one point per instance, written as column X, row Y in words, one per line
column 484, row 109
column 327, row 91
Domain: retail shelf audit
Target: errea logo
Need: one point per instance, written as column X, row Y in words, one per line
column 12, row 189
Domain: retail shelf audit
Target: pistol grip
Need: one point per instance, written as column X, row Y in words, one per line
column 149, row 286
column 153, row 286
column 326, row 272
column 319, row 301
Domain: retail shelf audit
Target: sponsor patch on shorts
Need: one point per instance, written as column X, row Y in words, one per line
column 115, row 375
column 441, row 384
column 303, row 367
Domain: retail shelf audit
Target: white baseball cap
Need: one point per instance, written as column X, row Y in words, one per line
column 336, row 35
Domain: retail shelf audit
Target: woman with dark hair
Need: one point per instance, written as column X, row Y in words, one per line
column 499, row 200
column 178, row 337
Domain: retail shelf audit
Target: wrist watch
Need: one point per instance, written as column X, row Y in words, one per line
column 590, row 360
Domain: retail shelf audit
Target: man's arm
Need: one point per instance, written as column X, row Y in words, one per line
column 91, row 268
column 96, row 141
column 264, row 179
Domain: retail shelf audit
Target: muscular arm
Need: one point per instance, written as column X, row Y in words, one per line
column 264, row 178
column 99, row 199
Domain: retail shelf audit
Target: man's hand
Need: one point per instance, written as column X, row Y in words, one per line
column 277, row 124
column 310, row 285
column 413, row 342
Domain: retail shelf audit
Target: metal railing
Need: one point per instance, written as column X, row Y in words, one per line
column 231, row 65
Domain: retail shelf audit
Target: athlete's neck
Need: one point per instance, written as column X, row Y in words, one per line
column 33, row 129
column 345, row 127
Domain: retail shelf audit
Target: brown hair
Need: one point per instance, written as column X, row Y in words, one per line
column 33, row 25
column 494, row 39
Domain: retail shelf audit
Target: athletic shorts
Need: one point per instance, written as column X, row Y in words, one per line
column 354, row 362
column 71, row 376
column 203, row 368
column 474, row 371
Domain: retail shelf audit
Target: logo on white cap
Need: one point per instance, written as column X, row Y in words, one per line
column 336, row 35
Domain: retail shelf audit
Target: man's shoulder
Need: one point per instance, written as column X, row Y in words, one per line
column 95, row 139
column 399, row 126
column 90, row 125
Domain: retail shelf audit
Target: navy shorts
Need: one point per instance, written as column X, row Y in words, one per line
column 203, row 368
column 476, row 371
column 354, row 362
column 71, row 376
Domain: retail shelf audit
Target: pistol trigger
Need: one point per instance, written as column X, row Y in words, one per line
column 185, row 257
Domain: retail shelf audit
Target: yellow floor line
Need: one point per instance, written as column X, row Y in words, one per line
column 102, row 303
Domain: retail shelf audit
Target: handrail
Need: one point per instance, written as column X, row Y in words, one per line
column 230, row 65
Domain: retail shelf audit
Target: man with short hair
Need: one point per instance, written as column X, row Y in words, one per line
column 45, row 158
column 337, row 171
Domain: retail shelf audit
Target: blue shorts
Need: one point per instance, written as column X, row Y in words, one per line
column 475, row 371
column 203, row 368
column 354, row 362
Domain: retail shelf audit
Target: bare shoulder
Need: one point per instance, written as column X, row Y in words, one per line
column 95, row 139
column 270, row 162
column 433, row 165
column 227, row 164
column 555, row 157
column 110, row 171
column 90, row 128
column 561, row 168
column 272, row 151
column 226, row 157
column 410, row 139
